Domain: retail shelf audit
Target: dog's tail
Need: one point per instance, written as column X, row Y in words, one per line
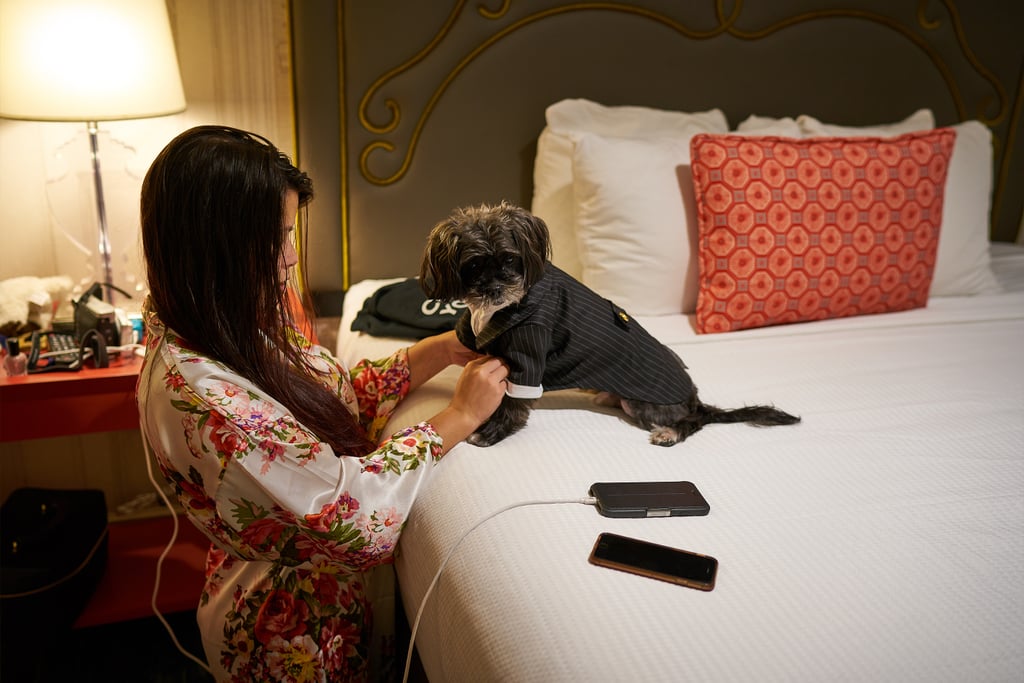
column 759, row 416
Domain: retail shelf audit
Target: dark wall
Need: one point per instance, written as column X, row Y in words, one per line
column 454, row 101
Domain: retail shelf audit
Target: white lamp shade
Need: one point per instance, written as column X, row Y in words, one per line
column 87, row 60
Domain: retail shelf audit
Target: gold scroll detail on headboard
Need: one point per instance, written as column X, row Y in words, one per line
column 726, row 25
column 990, row 109
column 395, row 110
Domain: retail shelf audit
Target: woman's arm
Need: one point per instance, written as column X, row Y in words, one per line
column 430, row 356
column 478, row 393
column 380, row 385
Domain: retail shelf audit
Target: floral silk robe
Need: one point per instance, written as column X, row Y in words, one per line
column 294, row 529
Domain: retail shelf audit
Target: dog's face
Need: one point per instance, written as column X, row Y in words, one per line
column 488, row 256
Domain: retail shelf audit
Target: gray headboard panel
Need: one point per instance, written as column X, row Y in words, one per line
column 441, row 102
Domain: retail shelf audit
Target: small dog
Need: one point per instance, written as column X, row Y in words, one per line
column 555, row 333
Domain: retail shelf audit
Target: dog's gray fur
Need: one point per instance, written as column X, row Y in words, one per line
column 490, row 257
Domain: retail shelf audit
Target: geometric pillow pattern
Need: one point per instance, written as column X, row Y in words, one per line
column 794, row 230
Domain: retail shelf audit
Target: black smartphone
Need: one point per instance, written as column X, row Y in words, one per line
column 649, row 499
column 655, row 561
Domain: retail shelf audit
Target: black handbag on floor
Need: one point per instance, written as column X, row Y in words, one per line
column 54, row 553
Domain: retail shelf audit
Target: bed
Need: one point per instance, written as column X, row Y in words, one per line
column 882, row 538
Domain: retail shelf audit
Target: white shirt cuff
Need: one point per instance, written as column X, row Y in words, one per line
column 520, row 391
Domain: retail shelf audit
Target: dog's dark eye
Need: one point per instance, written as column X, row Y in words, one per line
column 471, row 270
column 509, row 263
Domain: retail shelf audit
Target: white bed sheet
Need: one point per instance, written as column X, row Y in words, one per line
column 881, row 539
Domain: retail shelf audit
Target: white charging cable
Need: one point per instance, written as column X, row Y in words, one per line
column 163, row 556
column 590, row 500
column 423, row 603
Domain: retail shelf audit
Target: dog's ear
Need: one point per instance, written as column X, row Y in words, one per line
column 533, row 242
column 439, row 274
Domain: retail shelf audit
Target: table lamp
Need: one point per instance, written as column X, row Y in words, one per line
column 90, row 61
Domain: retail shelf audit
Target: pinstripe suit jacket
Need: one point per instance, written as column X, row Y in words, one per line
column 563, row 335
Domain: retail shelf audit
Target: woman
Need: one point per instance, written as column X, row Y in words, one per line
column 271, row 445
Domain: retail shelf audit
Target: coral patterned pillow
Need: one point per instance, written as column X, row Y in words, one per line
column 805, row 229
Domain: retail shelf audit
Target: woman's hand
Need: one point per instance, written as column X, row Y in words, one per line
column 478, row 394
column 457, row 353
column 430, row 356
column 480, row 388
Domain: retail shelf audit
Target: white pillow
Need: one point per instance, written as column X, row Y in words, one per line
column 808, row 126
column 636, row 221
column 963, row 265
column 762, row 125
column 922, row 119
column 567, row 120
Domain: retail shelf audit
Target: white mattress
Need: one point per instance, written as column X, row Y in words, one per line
column 880, row 540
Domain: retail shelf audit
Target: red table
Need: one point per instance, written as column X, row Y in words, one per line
column 69, row 403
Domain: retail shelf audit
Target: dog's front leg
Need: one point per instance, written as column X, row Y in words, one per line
column 509, row 418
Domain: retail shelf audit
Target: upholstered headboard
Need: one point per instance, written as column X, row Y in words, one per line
column 440, row 104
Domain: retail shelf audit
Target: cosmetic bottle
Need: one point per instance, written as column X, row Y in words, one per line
column 16, row 362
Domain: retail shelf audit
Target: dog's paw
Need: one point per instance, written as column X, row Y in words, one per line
column 478, row 440
column 487, row 435
column 509, row 418
column 665, row 436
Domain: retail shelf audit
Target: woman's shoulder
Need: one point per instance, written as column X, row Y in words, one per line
column 178, row 367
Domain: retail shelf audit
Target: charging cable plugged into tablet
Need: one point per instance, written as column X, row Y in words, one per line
column 612, row 499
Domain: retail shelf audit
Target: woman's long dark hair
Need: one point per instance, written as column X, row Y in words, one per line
column 212, row 205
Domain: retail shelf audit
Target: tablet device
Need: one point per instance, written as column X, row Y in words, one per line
column 649, row 499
